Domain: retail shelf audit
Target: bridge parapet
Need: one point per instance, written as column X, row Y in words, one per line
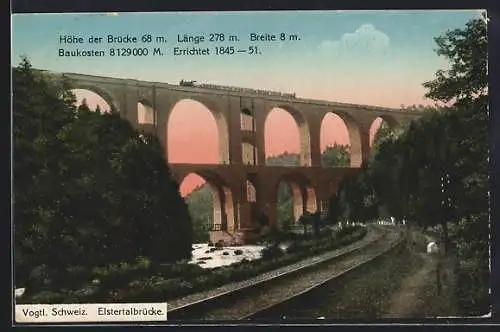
column 244, row 92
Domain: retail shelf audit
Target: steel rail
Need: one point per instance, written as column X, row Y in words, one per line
column 392, row 245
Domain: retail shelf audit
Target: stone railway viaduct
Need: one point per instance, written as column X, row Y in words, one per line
column 242, row 182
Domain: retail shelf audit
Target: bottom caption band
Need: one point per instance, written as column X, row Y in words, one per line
column 91, row 312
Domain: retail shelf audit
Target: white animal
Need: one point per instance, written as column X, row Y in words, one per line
column 432, row 247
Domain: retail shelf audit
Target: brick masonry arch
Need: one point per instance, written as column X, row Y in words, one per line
column 220, row 121
column 355, row 153
column 302, row 190
column 106, row 95
column 303, row 128
column 222, row 196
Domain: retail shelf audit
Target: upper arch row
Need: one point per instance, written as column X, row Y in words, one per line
column 308, row 117
column 298, row 109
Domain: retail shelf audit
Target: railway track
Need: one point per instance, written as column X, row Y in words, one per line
column 253, row 297
column 323, row 282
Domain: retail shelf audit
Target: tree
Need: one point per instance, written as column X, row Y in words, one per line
column 200, row 205
column 336, row 156
column 89, row 190
column 383, row 133
column 334, row 209
column 305, row 220
column 466, row 80
column 357, row 197
column 450, row 145
column 316, row 222
column 40, row 108
column 465, row 85
column 436, row 172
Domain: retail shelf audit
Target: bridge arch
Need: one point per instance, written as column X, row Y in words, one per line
column 390, row 120
column 382, row 125
column 91, row 99
column 311, row 199
column 340, row 132
column 308, row 190
column 103, row 93
column 178, row 122
column 303, row 131
column 294, row 195
column 223, row 217
column 351, row 127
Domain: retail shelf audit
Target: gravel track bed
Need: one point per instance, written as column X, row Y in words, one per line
column 372, row 235
column 293, row 293
column 273, row 294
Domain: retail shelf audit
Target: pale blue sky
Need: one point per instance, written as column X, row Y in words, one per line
column 351, row 56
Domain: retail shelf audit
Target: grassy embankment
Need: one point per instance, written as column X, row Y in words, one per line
column 399, row 284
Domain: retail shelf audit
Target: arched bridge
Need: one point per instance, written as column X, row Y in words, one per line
column 242, row 183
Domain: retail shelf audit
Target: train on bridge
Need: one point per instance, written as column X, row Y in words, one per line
column 237, row 89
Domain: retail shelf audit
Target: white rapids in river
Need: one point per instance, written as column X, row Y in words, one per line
column 217, row 257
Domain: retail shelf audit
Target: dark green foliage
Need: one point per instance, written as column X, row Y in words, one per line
column 334, row 210
column 313, row 219
column 384, row 133
column 336, row 155
column 271, row 252
column 284, row 159
column 470, row 237
column 89, row 190
column 466, row 49
column 436, row 172
column 144, row 280
column 200, row 205
column 333, row 156
column 284, row 208
column 357, row 199
column 262, row 219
